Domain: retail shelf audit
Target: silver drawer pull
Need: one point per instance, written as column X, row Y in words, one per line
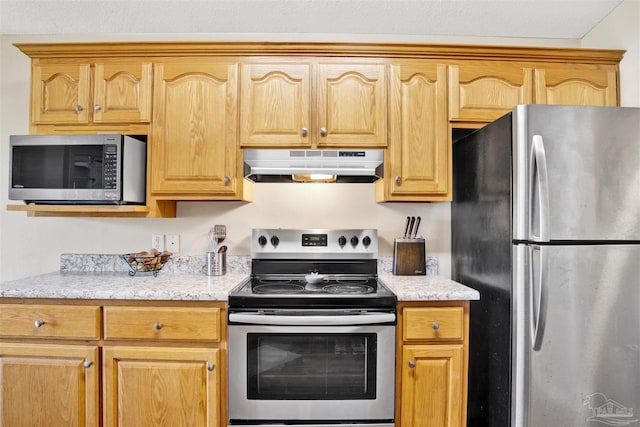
column 412, row 364
column 158, row 326
column 435, row 325
column 88, row 363
column 38, row 323
column 210, row 367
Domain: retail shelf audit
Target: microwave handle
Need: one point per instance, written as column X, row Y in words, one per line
column 311, row 320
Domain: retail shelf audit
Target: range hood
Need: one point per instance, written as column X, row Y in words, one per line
column 295, row 165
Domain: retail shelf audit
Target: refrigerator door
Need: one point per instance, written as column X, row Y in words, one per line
column 576, row 173
column 577, row 350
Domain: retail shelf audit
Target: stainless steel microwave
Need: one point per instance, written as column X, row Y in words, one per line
column 78, row 169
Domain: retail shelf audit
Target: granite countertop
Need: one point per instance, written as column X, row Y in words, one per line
column 102, row 277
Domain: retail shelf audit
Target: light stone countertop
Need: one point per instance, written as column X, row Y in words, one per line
column 104, row 280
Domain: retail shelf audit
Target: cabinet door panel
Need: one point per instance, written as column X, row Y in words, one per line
column 275, row 105
column 419, row 153
column 48, row 385
column 487, row 90
column 352, row 105
column 576, row 87
column 194, row 147
column 122, row 92
column 60, row 93
column 162, row 387
column 432, row 386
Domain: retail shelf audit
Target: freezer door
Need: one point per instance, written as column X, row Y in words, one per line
column 576, row 173
column 577, row 347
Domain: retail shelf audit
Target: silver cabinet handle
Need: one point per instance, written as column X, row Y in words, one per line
column 79, row 108
column 398, row 179
column 38, row 323
column 158, row 325
column 97, row 107
column 227, row 179
column 210, row 367
column 304, row 131
column 435, row 325
column 412, row 364
column 87, row 363
column 323, row 131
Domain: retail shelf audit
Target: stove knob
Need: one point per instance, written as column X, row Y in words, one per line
column 275, row 240
column 342, row 241
column 366, row 241
column 262, row 241
column 354, row 241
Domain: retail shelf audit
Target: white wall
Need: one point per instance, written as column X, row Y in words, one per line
column 33, row 245
column 621, row 30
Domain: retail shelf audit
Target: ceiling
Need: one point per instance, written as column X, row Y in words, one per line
column 557, row 19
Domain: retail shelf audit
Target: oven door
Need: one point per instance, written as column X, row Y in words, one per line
column 311, row 367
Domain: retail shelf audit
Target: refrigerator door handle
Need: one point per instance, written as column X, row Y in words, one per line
column 537, row 294
column 538, row 191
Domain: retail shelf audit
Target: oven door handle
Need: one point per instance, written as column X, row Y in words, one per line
column 312, row 320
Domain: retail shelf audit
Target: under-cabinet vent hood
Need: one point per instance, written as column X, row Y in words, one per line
column 293, row 165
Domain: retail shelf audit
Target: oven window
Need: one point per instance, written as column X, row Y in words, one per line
column 311, row 366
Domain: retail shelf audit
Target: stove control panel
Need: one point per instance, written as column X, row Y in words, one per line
column 314, row 244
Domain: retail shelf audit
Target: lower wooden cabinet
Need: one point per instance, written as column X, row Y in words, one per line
column 431, row 373
column 159, row 364
column 49, row 385
column 161, row 386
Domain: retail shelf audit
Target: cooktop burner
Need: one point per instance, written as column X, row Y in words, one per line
column 332, row 286
column 295, row 293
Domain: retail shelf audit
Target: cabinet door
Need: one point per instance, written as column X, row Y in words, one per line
column 419, row 156
column 432, row 386
column 122, row 93
column 162, row 387
column 576, row 87
column 275, row 105
column 194, row 146
column 48, row 385
column 352, row 104
column 484, row 91
column 60, row 93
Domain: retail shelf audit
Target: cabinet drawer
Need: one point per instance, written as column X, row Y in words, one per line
column 162, row 323
column 50, row 321
column 433, row 323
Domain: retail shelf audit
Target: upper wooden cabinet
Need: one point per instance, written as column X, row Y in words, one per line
column 212, row 99
column 418, row 161
column 573, row 85
column 194, row 150
column 84, row 93
column 275, row 105
column 486, row 90
column 313, row 103
column 482, row 91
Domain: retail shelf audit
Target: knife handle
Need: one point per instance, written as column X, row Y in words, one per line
column 413, row 220
column 406, row 227
column 415, row 231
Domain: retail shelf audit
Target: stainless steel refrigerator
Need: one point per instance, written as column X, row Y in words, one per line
column 546, row 226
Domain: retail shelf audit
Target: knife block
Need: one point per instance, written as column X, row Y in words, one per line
column 409, row 257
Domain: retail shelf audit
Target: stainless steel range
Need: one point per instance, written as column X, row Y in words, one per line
column 312, row 332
